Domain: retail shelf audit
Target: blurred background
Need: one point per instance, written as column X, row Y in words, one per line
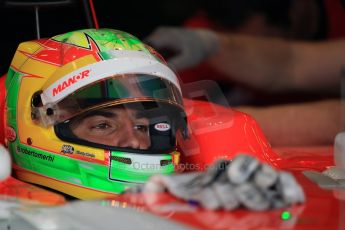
column 136, row 17
column 142, row 17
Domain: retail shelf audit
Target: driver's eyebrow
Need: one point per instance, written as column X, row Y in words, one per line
column 103, row 113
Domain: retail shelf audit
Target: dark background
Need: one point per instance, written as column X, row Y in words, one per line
column 136, row 17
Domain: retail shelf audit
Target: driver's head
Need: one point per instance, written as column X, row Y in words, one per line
column 92, row 106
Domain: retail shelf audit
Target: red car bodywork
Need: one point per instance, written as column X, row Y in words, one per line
column 216, row 132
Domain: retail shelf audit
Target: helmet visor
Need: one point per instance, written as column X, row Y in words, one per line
column 131, row 111
column 115, row 90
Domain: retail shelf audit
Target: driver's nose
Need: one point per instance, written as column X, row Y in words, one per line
column 129, row 140
column 126, row 136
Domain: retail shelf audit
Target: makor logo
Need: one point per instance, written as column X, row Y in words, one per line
column 70, row 81
column 162, row 126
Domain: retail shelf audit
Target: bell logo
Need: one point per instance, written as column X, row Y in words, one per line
column 70, row 81
column 162, row 126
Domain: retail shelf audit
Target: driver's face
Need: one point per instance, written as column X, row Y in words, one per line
column 116, row 127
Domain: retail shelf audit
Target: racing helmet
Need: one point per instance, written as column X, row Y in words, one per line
column 92, row 112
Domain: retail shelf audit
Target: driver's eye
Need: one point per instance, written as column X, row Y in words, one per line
column 141, row 128
column 101, row 126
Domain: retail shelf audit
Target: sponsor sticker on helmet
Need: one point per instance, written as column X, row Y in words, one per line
column 70, row 81
column 10, row 134
column 85, row 154
column 67, row 149
column 162, row 126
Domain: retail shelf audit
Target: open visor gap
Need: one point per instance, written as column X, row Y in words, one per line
column 118, row 89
